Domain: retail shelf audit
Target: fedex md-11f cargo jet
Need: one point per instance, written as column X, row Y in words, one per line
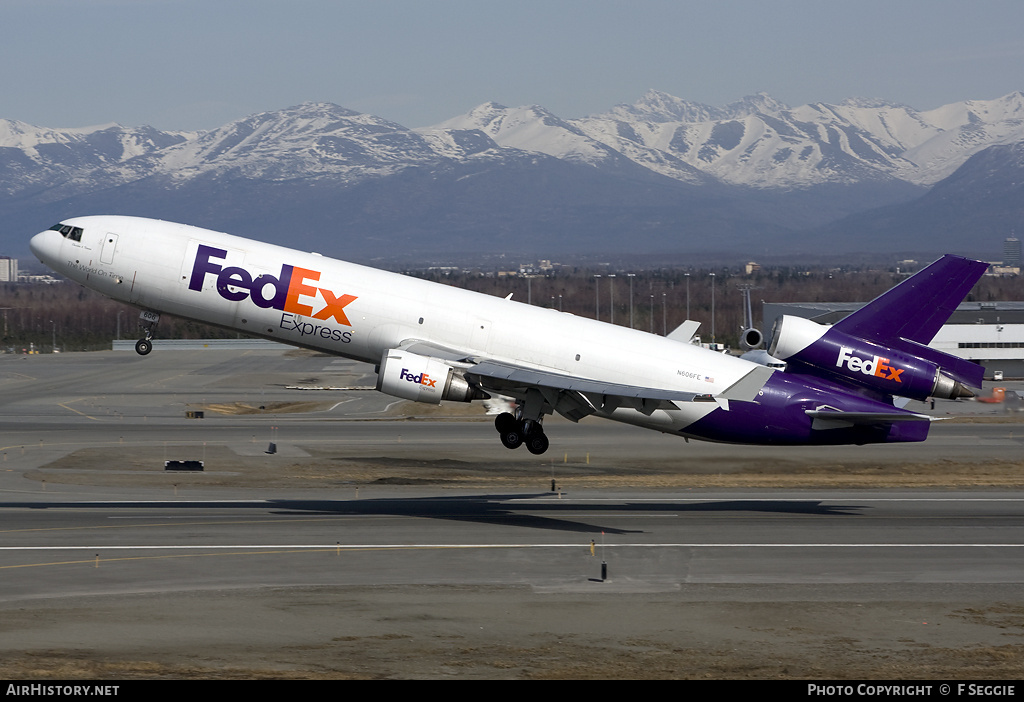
column 842, row 384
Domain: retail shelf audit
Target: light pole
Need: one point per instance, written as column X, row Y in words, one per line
column 664, row 315
column 687, row 295
column 652, row 313
column 712, row 308
column 611, row 296
column 597, row 297
column 631, row 276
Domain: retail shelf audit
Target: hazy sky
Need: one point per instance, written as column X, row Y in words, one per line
column 197, row 64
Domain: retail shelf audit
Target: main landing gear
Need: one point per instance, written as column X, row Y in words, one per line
column 516, row 432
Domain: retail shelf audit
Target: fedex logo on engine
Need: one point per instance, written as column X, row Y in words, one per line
column 876, row 366
column 284, row 292
column 419, row 378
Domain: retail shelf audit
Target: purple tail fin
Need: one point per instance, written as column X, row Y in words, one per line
column 909, row 316
column 916, row 308
column 883, row 345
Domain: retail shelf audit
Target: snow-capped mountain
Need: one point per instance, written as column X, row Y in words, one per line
column 656, row 106
column 760, row 142
column 984, row 195
column 34, row 158
column 535, row 129
column 756, row 142
column 306, row 141
column 661, row 174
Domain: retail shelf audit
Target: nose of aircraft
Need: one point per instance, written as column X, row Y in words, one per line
column 46, row 245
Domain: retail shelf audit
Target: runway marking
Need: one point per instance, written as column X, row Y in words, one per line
column 286, row 549
column 300, row 548
column 267, row 520
column 150, row 558
column 72, row 409
column 20, row 376
column 781, row 498
column 525, row 500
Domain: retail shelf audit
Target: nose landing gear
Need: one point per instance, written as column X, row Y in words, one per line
column 147, row 321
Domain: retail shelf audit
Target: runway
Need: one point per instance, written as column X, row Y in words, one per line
column 542, row 541
column 353, row 552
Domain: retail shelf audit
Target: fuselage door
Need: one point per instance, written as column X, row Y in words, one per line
column 108, row 247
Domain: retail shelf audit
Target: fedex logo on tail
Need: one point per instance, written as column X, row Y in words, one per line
column 284, row 292
column 876, row 366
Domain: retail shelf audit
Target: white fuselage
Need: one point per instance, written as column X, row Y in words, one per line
column 358, row 312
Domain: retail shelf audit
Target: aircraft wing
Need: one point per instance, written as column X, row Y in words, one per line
column 570, row 396
column 494, row 370
column 574, row 397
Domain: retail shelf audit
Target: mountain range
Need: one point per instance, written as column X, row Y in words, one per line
column 661, row 177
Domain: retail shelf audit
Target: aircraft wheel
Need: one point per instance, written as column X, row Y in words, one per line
column 143, row 346
column 512, row 439
column 505, row 422
column 537, row 443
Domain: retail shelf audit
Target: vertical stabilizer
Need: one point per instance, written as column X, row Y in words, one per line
column 916, row 308
column 883, row 346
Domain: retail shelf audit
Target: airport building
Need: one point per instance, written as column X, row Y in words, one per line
column 1011, row 252
column 988, row 333
column 8, row 269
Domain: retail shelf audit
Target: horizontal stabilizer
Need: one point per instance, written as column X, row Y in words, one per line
column 685, row 332
column 833, row 419
column 747, row 388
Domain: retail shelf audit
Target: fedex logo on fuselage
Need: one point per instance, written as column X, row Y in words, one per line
column 284, row 292
column 419, row 378
column 876, row 366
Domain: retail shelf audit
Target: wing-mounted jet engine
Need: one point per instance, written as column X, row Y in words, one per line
column 411, row 376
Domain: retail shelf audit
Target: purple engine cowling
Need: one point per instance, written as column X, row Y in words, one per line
column 811, row 347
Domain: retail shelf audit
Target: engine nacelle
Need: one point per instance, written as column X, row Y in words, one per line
column 751, row 338
column 831, row 352
column 423, row 379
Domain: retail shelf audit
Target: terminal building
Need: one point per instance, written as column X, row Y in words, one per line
column 988, row 333
column 8, row 269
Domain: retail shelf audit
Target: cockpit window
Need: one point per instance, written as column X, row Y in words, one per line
column 67, row 231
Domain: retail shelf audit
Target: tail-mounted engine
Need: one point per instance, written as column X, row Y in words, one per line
column 828, row 351
column 751, row 338
column 423, row 379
